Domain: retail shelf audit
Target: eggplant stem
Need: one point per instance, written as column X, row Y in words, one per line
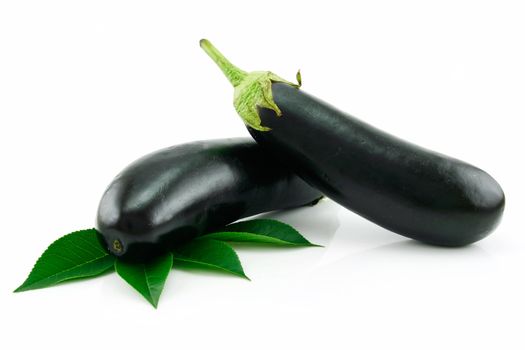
column 252, row 90
column 234, row 74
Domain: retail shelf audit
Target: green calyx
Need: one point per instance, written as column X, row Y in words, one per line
column 252, row 90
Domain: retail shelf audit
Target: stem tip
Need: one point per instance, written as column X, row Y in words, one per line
column 203, row 42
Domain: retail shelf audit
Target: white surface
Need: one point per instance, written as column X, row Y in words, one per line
column 87, row 87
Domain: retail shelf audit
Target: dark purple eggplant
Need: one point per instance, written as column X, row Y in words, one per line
column 178, row 193
column 400, row 186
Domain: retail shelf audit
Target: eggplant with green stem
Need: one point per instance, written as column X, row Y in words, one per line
column 405, row 188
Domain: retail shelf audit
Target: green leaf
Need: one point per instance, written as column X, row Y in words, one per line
column 75, row 255
column 147, row 278
column 260, row 231
column 211, row 254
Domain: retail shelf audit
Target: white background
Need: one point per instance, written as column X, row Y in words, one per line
column 87, row 87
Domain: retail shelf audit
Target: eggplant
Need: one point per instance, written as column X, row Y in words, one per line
column 178, row 193
column 405, row 188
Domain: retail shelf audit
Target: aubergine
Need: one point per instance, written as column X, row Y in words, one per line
column 400, row 186
column 178, row 193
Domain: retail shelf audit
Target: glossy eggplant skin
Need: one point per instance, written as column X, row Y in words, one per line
column 402, row 187
column 178, row 193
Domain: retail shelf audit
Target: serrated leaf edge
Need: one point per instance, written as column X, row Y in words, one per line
column 149, row 298
column 23, row 287
column 270, row 238
column 243, row 275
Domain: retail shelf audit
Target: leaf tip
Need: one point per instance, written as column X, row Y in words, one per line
column 154, row 301
column 24, row 287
